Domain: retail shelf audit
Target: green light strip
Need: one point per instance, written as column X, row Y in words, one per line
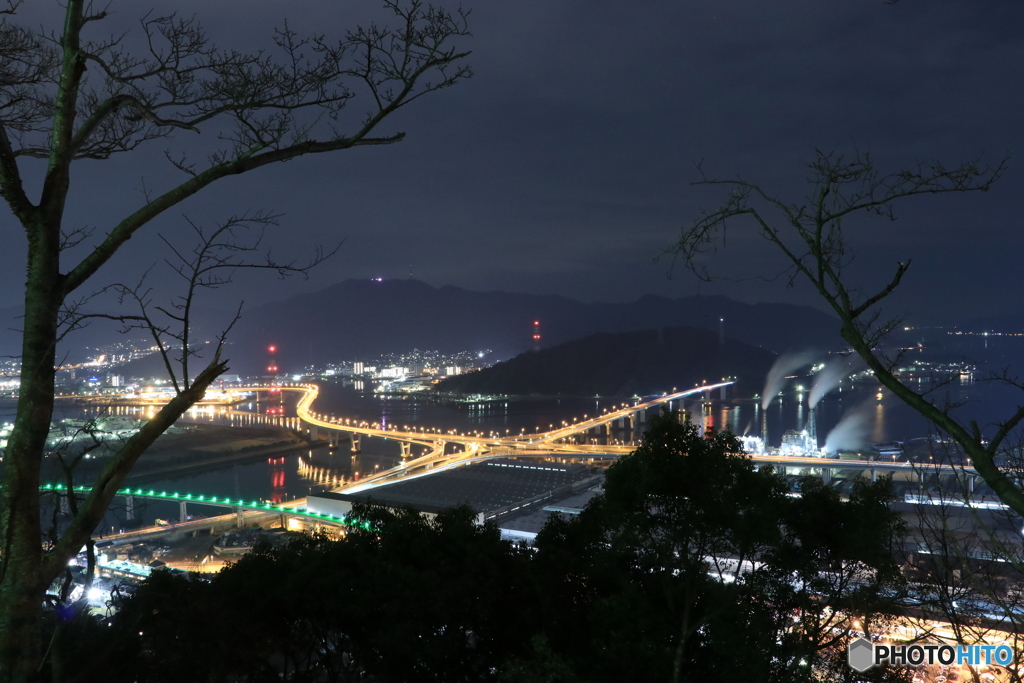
column 174, row 495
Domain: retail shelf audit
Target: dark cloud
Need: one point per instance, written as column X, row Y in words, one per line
column 565, row 165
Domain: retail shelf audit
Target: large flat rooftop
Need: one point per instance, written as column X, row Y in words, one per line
column 493, row 488
column 526, row 523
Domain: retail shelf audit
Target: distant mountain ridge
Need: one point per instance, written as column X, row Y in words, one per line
column 622, row 364
column 359, row 319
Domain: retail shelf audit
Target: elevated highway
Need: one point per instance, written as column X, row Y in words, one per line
column 474, row 446
column 445, row 449
column 430, row 438
column 292, row 508
column 553, row 443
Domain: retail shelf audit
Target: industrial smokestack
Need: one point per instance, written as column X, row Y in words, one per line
column 812, row 430
column 764, row 429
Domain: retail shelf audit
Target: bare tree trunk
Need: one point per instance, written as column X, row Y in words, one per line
column 22, row 585
column 68, row 99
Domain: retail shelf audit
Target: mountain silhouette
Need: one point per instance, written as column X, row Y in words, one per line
column 360, row 319
column 622, row 364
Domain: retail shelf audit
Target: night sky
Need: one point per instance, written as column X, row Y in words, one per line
column 565, row 164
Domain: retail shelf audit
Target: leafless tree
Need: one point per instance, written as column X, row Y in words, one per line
column 67, row 96
column 811, row 235
column 215, row 257
column 966, row 558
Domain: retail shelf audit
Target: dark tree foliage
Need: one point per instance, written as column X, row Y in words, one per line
column 405, row 599
column 693, row 565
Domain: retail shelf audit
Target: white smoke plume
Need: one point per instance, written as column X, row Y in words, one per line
column 852, row 431
column 784, row 365
column 829, row 378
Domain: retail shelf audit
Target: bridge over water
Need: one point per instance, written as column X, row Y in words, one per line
column 477, row 447
column 556, row 442
column 239, row 506
column 474, row 446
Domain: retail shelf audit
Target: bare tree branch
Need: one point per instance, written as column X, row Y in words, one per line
column 65, row 96
column 811, row 237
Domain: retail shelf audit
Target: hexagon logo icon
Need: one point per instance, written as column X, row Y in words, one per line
column 861, row 655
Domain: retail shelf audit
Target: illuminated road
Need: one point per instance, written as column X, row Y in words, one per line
column 475, row 446
column 479, row 447
column 295, row 507
column 432, row 437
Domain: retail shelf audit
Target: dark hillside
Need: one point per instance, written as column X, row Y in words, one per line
column 360, row 319
column 622, row 364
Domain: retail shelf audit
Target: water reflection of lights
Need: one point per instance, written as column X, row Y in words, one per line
column 878, row 434
column 277, row 479
column 319, row 475
column 235, row 416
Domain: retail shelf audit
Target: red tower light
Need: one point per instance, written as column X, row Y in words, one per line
column 272, row 360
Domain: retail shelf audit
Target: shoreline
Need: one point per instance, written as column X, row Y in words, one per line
column 218, row 460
